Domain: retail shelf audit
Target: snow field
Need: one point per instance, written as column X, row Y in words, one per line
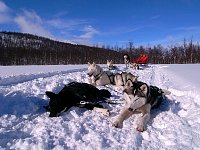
column 24, row 124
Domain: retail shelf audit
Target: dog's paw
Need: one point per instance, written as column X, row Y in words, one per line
column 117, row 124
column 140, row 128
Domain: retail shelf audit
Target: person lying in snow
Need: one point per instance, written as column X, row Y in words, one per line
column 76, row 94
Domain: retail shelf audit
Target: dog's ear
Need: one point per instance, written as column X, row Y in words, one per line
column 129, row 84
column 136, row 78
column 51, row 95
column 144, row 88
column 107, row 61
column 89, row 63
column 94, row 64
column 111, row 61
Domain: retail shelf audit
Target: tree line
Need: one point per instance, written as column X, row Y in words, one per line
column 26, row 49
column 185, row 53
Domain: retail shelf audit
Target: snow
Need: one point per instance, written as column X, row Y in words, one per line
column 24, row 124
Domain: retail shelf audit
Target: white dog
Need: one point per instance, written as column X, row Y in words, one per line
column 110, row 65
column 98, row 77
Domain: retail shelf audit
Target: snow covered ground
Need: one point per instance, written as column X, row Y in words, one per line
column 24, row 124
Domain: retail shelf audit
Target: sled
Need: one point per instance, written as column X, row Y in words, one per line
column 142, row 60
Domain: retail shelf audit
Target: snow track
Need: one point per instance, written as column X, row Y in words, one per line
column 26, row 78
column 24, row 124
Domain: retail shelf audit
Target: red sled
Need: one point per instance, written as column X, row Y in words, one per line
column 143, row 59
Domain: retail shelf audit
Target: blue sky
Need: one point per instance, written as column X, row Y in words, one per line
column 104, row 22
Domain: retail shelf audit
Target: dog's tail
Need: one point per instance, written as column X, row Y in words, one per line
column 105, row 93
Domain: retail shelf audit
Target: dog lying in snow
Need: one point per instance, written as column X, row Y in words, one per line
column 75, row 94
column 98, row 77
column 110, row 65
column 139, row 98
column 134, row 66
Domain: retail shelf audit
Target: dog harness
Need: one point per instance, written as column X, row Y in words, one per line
column 86, row 98
column 110, row 76
column 98, row 75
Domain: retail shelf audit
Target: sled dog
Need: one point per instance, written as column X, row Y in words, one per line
column 75, row 94
column 127, row 60
column 110, row 65
column 139, row 98
column 134, row 66
column 98, row 77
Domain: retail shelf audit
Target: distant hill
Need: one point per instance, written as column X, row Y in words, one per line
column 27, row 49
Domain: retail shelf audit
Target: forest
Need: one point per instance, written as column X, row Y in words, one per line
column 26, row 49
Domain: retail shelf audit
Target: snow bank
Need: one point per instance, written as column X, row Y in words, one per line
column 24, row 124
